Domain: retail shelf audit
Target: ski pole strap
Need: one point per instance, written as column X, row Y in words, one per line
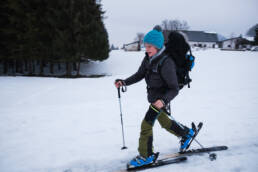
column 123, row 88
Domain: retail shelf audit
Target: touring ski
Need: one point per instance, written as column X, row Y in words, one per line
column 177, row 157
column 157, row 163
column 195, row 152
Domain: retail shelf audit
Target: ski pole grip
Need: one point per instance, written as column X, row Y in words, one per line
column 118, row 91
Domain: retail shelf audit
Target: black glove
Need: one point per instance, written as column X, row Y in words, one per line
column 122, row 81
column 119, row 85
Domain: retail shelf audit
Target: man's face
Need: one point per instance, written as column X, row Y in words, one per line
column 150, row 49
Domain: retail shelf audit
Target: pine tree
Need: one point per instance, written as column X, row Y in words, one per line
column 95, row 35
column 61, row 31
column 4, row 37
column 256, row 37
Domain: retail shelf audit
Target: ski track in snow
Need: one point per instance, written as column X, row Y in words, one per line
column 73, row 125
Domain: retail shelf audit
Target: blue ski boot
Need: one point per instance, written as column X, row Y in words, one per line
column 139, row 161
column 186, row 140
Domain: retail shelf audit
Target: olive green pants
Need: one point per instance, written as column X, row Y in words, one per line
column 146, row 136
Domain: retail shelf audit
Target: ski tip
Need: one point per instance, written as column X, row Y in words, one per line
column 193, row 126
column 200, row 124
column 225, row 147
column 222, row 147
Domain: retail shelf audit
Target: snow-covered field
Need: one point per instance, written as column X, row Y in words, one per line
column 73, row 125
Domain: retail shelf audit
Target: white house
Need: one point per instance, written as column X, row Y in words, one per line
column 198, row 38
column 237, row 43
column 134, row 46
column 229, row 43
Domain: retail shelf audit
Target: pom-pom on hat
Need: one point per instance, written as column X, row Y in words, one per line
column 155, row 37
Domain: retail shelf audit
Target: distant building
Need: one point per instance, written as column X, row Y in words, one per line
column 134, row 46
column 198, row 38
column 237, row 43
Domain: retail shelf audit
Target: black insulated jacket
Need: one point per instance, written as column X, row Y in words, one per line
column 161, row 80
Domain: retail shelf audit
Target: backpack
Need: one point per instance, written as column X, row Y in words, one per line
column 180, row 52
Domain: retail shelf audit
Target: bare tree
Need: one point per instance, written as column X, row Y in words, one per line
column 165, row 25
column 139, row 38
column 185, row 25
column 175, row 25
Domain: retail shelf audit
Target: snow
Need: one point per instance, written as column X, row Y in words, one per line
column 73, row 125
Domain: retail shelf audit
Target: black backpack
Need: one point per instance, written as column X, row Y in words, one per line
column 178, row 49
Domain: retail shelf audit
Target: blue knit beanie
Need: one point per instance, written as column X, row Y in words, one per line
column 155, row 37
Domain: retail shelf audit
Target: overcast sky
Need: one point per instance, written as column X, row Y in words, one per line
column 126, row 18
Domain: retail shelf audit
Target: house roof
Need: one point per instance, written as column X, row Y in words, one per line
column 240, row 39
column 197, row 36
column 235, row 38
column 132, row 43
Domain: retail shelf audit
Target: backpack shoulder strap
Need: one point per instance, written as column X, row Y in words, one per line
column 190, row 51
column 161, row 61
column 157, row 68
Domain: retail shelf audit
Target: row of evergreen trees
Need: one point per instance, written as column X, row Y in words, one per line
column 45, row 33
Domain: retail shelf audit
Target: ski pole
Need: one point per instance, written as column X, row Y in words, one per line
column 119, row 98
column 212, row 156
